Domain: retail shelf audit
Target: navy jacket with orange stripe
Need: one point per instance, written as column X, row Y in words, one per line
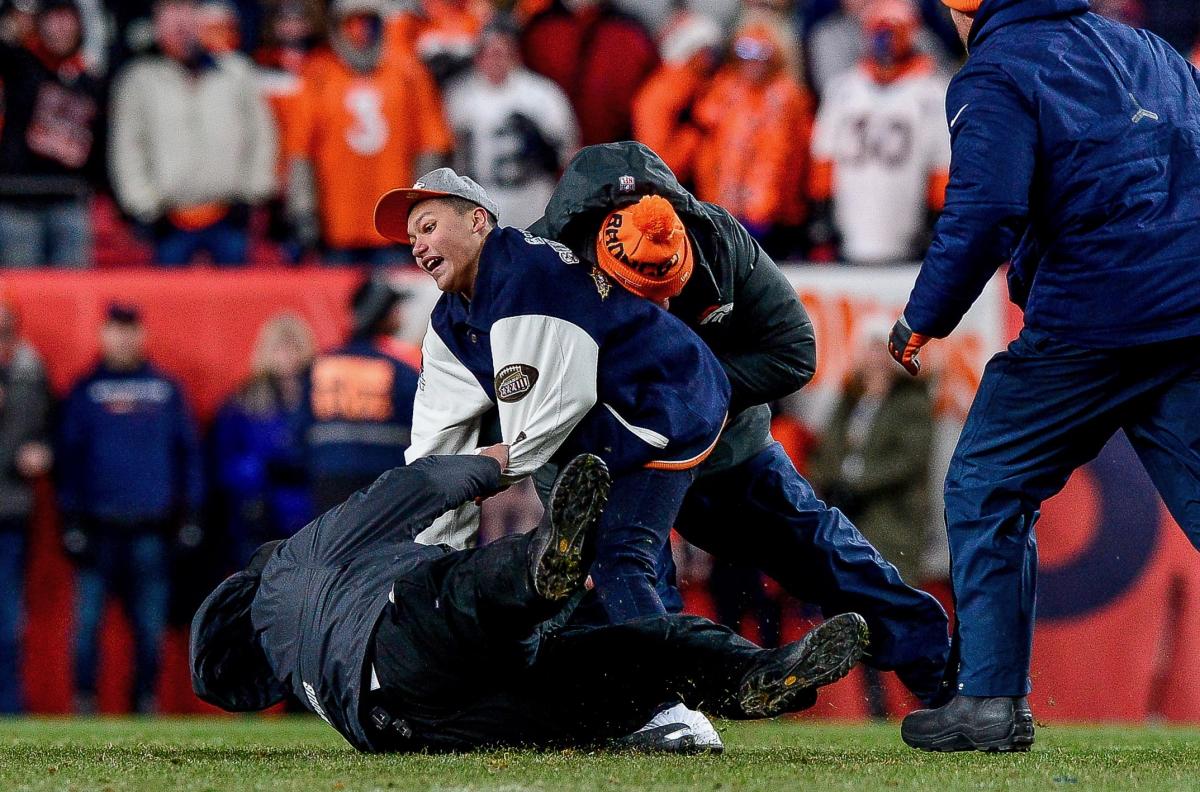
column 573, row 362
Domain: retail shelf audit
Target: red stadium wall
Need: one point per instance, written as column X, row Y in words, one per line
column 1119, row 601
column 201, row 327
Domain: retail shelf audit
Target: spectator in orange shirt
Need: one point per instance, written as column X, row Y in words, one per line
column 444, row 34
column 599, row 56
column 754, row 159
column 293, row 30
column 663, row 109
column 368, row 118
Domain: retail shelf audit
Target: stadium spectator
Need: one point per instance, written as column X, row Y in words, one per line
column 369, row 116
column 258, row 458
column 515, row 129
column 130, row 485
column 24, row 456
column 664, row 107
column 217, row 27
column 51, row 147
column 598, row 55
column 873, row 463
column 781, row 17
column 838, row 43
column 880, row 149
column 443, row 34
column 356, row 416
column 193, row 145
column 293, row 30
column 754, row 161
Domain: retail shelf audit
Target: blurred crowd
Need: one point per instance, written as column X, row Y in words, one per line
column 239, row 132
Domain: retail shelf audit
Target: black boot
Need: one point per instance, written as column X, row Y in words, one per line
column 788, row 677
column 972, row 723
column 557, row 549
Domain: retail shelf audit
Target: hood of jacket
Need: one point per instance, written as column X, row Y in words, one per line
column 995, row 14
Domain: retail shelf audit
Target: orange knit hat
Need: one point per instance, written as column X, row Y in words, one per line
column 645, row 248
column 966, row 6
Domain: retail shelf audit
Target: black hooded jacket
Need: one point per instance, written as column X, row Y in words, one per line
column 737, row 299
column 324, row 589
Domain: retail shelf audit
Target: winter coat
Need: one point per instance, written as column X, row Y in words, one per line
column 1076, row 153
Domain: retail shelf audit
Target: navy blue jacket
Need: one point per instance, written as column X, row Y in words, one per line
column 356, row 418
column 1076, row 152
column 128, row 451
column 649, row 394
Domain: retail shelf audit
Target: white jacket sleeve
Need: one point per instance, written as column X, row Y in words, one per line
column 446, row 416
column 545, row 372
column 128, row 158
column 262, row 144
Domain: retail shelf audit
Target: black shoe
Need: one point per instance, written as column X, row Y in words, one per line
column 556, row 552
column 972, row 723
column 787, row 680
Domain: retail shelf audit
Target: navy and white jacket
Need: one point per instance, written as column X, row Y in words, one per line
column 1076, row 152
column 572, row 362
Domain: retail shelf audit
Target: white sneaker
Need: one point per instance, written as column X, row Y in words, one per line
column 675, row 729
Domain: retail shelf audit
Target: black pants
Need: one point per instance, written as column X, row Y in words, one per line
column 460, row 658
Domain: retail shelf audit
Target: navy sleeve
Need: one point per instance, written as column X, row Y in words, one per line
column 994, row 139
column 779, row 353
column 403, row 502
column 191, row 466
column 71, row 455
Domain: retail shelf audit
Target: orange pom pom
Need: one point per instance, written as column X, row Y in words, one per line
column 655, row 217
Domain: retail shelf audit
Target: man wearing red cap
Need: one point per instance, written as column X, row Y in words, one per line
column 570, row 360
column 1076, row 156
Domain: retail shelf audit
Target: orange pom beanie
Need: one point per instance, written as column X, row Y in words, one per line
column 966, row 6
column 645, row 248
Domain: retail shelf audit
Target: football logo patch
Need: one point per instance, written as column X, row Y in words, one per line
column 626, row 184
column 514, row 381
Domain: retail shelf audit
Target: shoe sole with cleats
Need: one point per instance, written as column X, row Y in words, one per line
column 823, row 656
column 576, row 503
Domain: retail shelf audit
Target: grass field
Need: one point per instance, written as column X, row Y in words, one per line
column 303, row 754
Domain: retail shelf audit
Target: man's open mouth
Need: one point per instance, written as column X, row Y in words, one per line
column 431, row 263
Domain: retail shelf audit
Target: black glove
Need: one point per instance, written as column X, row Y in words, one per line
column 904, row 344
column 536, row 151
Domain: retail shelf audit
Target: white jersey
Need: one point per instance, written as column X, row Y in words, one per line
column 492, row 143
column 885, row 141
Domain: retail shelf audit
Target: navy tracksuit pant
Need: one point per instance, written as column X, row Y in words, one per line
column 763, row 513
column 1044, row 408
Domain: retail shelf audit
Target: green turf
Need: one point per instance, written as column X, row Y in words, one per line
column 304, row 754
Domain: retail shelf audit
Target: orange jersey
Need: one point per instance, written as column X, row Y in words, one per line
column 439, row 25
column 657, row 111
column 754, row 158
column 363, row 134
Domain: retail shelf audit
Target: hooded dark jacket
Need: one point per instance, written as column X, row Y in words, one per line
column 1076, row 153
column 324, row 589
column 737, row 300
